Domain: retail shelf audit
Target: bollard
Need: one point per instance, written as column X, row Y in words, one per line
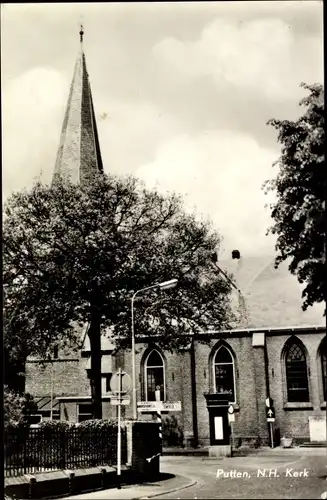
column 71, row 476
column 103, row 482
column 31, row 483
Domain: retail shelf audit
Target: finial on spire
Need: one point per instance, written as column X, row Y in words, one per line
column 81, row 33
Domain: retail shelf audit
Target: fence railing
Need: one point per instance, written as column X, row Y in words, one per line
column 28, row 450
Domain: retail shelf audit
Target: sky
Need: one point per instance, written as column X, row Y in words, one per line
column 182, row 94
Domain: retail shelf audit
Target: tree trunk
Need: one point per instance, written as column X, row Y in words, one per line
column 95, row 375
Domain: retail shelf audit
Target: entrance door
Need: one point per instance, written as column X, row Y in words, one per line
column 219, row 426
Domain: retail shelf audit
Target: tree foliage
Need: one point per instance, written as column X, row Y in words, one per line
column 75, row 254
column 300, row 189
column 17, row 407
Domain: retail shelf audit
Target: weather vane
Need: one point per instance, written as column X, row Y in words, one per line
column 81, row 33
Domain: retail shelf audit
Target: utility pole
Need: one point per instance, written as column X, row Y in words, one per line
column 119, row 430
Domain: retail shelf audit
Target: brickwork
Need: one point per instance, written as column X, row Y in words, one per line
column 259, row 370
column 295, row 422
column 70, row 379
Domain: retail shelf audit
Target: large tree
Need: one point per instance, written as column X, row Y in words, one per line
column 300, row 189
column 75, row 254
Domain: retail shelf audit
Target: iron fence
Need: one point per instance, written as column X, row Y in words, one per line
column 29, row 450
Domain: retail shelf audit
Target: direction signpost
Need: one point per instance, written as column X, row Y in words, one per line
column 153, row 406
column 120, row 384
column 270, row 412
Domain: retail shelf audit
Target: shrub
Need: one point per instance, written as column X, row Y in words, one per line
column 172, row 433
column 56, row 425
column 255, row 442
column 97, row 424
column 17, row 408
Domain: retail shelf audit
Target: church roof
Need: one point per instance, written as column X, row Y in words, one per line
column 79, row 154
column 272, row 296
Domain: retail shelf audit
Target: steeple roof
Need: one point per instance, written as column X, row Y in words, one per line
column 79, row 155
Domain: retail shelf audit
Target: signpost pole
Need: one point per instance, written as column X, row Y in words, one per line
column 231, row 419
column 271, row 434
column 159, row 418
column 119, row 432
column 270, row 419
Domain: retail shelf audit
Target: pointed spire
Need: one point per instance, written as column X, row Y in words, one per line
column 79, row 155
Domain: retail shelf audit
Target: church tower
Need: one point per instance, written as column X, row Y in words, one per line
column 79, row 156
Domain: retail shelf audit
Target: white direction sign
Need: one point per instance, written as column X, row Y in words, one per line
column 171, row 406
column 147, row 405
column 231, row 417
column 150, row 406
column 114, row 400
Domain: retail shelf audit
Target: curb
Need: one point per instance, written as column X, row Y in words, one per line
column 166, row 492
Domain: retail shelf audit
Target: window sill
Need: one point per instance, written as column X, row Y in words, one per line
column 298, row 406
column 323, row 405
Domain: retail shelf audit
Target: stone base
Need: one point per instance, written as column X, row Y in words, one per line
column 220, row 451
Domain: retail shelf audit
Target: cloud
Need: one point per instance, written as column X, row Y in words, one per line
column 220, row 174
column 33, row 112
column 33, row 107
column 262, row 55
column 131, row 132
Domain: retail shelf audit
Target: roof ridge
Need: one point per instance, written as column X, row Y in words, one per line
column 247, row 286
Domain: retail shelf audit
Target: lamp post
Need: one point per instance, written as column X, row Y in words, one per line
column 165, row 285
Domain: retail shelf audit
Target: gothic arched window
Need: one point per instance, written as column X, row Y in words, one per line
column 296, row 374
column 224, row 374
column 154, row 376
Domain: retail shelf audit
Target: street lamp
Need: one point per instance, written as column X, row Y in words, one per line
column 165, row 285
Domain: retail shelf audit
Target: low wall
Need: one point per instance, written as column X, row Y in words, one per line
column 56, row 483
column 143, row 463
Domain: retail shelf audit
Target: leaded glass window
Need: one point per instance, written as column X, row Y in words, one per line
column 154, row 376
column 224, row 374
column 296, row 374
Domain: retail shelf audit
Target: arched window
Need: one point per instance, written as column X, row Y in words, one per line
column 296, row 374
column 224, row 374
column 154, row 376
column 323, row 358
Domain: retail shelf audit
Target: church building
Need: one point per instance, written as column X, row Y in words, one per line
column 268, row 371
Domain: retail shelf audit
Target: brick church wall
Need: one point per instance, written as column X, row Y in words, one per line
column 70, row 379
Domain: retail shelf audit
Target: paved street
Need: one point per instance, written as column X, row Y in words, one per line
column 298, row 473
column 280, row 466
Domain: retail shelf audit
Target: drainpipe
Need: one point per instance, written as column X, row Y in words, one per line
column 193, row 391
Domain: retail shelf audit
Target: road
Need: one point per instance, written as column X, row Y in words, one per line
column 300, row 474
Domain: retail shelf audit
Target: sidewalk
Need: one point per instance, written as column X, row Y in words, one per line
column 145, row 490
column 245, row 451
